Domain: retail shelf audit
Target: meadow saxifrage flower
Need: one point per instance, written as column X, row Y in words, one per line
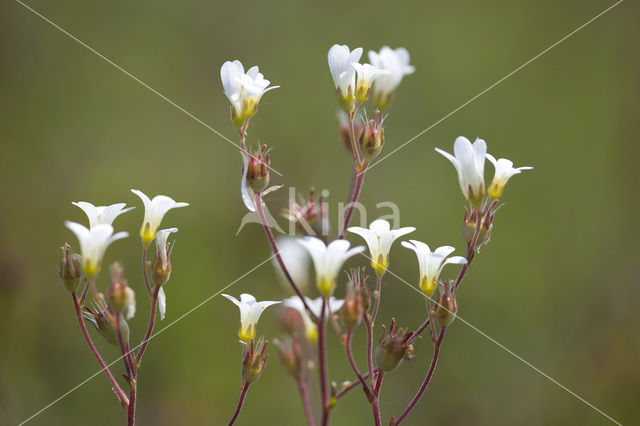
column 154, row 211
column 503, row 171
column 250, row 311
column 327, row 260
column 244, row 90
column 102, row 214
column 431, row 263
column 469, row 163
column 379, row 237
column 93, row 243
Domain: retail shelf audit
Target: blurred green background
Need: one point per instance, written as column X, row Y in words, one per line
column 557, row 284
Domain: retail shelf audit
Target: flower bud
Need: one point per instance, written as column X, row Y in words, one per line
column 357, row 299
column 70, row 268
column 469, row 228
column 254, row 360
column 104, row 327
column 121, row 297
column 291, row 356
column 393, row 347
column 310, row 216
column 160, row 272
column 258, row 169
column 372, row 137
column 446, row 307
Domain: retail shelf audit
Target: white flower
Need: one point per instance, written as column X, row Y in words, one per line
column 469, row 163
column 296, row 261
column 341, row 60
column 93, row 244
column 379, row 238
column 102, row 214
column 504, row 171
column 327, row 260
column 431, row 263
column 161, row 245
column 154, row 211
column 396, row 61
column 315, row 305
column 367, row 74
column 130, row 303
column 162, row 303
column 250, row 312
column 244, row 90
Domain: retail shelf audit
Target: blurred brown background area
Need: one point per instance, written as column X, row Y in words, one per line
column 557, row 285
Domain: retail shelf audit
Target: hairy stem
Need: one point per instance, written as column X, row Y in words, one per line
column 85, row 333
column 427, row 379
column 376, row 401
column 304, row 397
column 355, row 194
column 144, row 270
column 131, row 412
column 369, row 327
column 354, row 367
column 152, row 321
column 322, row 361
column 354, row 384
column 243, row 394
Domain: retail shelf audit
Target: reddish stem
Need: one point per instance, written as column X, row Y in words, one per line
column 427, row 379
column 152, row 321
column 276, row 252
column 470, row 249
column 131, row 412
column 126, row 356
column 369, row 326
column 376, row 401
column 94, row 350
column 354, row 384
column 355, row 194
column 354, row 367
column 144, row 269
column 306, row 406
column 243, row 394
column 322, row 360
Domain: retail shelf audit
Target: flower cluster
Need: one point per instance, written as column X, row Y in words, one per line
column 304, row 319
column 111, row 312
column 307, row 313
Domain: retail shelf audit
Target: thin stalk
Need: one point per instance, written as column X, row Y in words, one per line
column 126, row 356
column 420, row 329
column 354, row 384
column 274, row 248
column 376, row 304
column 152, row 321
column 427, row 379
column 355, row 194
column 354, row 367
column 369, row 327
column 243, row 394
column 85, row 333
column 304, row 397
column 144, row 271
column 376, row 401
column 322, row 360
column 470, row 250
column 131, row 412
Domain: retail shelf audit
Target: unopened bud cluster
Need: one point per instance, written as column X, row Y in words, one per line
column 393, row 347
